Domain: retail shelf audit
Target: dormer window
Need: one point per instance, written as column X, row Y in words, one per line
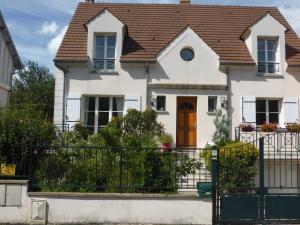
column 267, row 56
column 105, row 53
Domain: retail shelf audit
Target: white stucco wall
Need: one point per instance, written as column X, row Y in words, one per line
column 247, row 83
column 91, row 208
column 127, row 211
column 6, row 70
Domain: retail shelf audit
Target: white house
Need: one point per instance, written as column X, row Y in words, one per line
column 184, row 60
column 9, row 62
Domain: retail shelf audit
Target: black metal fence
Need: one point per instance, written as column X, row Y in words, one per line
column 102, row 169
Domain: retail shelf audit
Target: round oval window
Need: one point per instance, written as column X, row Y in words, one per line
column 187, row 54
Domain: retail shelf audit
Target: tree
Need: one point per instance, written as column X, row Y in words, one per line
column 34, row 87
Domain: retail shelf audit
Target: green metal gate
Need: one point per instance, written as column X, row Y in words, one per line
column 272, row 196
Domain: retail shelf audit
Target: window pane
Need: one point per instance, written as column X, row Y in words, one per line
column 89, row 118
column 104, row 104
column 261, row 56
column 271, row 68
column 271, row 45
column 262, row 68
column 100, row 41
column 110, row 64
column 103, row 118
column 261, row 44
column 260, row 118
column 117, row 114
column 260, row 105
column 271, row 56
column 90, row 104
column 111, row 41
column 118, row 104
column 100, row 53
column 273, row 106
column 273, row 118
column 212, row 104
column 111, row 53
column 161, row 103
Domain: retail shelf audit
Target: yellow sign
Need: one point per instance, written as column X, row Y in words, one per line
column 8, row 169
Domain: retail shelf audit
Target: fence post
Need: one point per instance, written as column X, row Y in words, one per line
column 121, row 171
column 214, row 175
column 261, row 181
column 29, row 152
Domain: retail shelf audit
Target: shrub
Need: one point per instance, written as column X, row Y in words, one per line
column 236, row 166
column 221, row 135
column 246, row 127
column 166, row 139
column 293, row 128
column 269, row 127
column 21, row 129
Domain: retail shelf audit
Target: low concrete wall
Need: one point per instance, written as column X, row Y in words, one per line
column 87, row 208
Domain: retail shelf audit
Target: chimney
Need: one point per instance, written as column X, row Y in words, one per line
column 185, row 2
column 89, row 1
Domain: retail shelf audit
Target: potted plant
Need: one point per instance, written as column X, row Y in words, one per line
column 166, row 140
column 293, row 128
column 269, row 127
column 246, row 127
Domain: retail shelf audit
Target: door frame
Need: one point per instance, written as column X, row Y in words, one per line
column 193, row 99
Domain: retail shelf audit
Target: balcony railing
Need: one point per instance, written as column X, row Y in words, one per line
column 105, row 64
column 268, row 67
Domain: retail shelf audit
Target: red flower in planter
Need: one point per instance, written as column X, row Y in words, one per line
column 246, row 127
column 293, row 128
column 269, row 127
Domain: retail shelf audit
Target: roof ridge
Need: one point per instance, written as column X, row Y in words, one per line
column 180, row 5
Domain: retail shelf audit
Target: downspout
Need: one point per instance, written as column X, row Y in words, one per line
column 229, row 100
column 147, row 82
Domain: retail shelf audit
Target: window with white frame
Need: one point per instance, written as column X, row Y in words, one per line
column 212, row 104
column 267, row 111
column 161, row 103
column 266, row 49
column 105, row 53
column 98, row 111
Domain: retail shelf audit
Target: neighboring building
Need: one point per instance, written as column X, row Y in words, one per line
column 9, row 61
column 185, row 60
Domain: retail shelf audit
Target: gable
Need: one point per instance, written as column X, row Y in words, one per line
column 202, row 69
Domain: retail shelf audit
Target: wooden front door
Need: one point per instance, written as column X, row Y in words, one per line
column 186, row 122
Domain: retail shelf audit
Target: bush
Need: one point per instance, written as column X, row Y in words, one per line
column 236, row 166
column 166, row 139
column 21, row 129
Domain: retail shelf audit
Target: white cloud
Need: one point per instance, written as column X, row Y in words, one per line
column 48, row 28
column 55, row 42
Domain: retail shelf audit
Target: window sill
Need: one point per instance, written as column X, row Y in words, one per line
column 162, row 112
column 212, row 113
column 270, row 75
column 114, row 72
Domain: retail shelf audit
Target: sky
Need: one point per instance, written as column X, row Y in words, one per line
column 38, row 26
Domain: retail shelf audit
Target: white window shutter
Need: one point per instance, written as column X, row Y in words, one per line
column 291, row 110
column 248, row 109
column 132, row 102
column 73, row 109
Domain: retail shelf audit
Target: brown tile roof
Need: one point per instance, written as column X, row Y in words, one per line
column 152, row 26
